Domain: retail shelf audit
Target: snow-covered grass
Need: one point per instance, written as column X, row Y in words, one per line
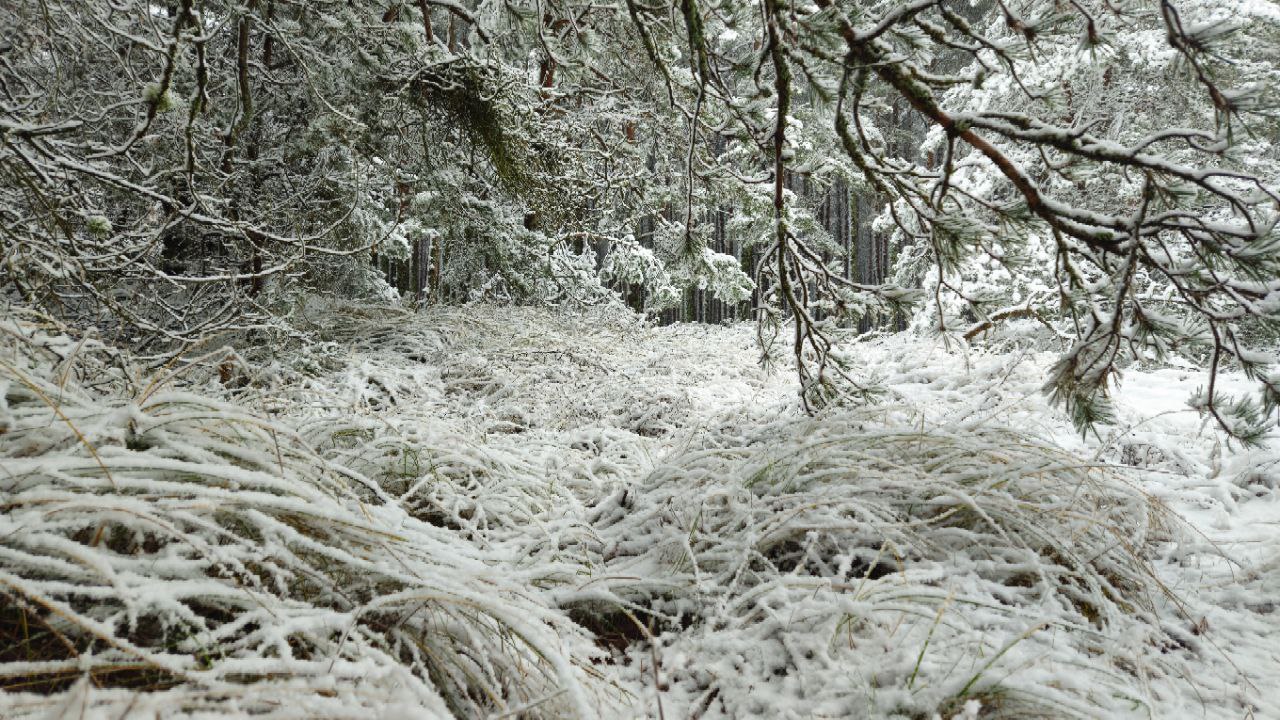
column 489, row 512
column 856, row 566
column 166, row 540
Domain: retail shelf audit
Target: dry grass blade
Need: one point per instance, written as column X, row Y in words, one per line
column 195, row 550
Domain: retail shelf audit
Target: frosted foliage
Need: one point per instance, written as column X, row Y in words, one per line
column 723, row 276
column 631, row 263
column 856, row 568
column 184, row 543
column 478, row 511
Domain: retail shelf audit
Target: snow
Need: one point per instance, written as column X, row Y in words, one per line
column 577, row 514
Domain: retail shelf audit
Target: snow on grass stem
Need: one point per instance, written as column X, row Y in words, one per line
column 184, row 536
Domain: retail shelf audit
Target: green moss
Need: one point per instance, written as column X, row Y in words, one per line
column 465, row 93
column 98, row 226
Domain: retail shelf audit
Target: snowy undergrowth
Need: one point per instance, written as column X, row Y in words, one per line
column 172, row 542
column 856, row 566
column 483, row 511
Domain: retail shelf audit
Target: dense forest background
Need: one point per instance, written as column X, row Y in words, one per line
column 176, row 170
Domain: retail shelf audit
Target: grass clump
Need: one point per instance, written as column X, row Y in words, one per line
column 169, row 541
column 860, row 565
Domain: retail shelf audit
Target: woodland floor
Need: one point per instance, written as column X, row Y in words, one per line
column 711, row 552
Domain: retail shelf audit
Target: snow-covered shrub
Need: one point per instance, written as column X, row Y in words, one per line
column 571, row 279
column 630, row 262
column 720, row 273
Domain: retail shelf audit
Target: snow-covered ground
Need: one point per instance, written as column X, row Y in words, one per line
column 513, row 512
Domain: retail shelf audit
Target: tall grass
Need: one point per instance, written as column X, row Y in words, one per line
column 173, row 542
column 504, row 514
column 856, row 565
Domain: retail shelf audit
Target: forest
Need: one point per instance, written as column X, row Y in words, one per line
column 620, row 359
